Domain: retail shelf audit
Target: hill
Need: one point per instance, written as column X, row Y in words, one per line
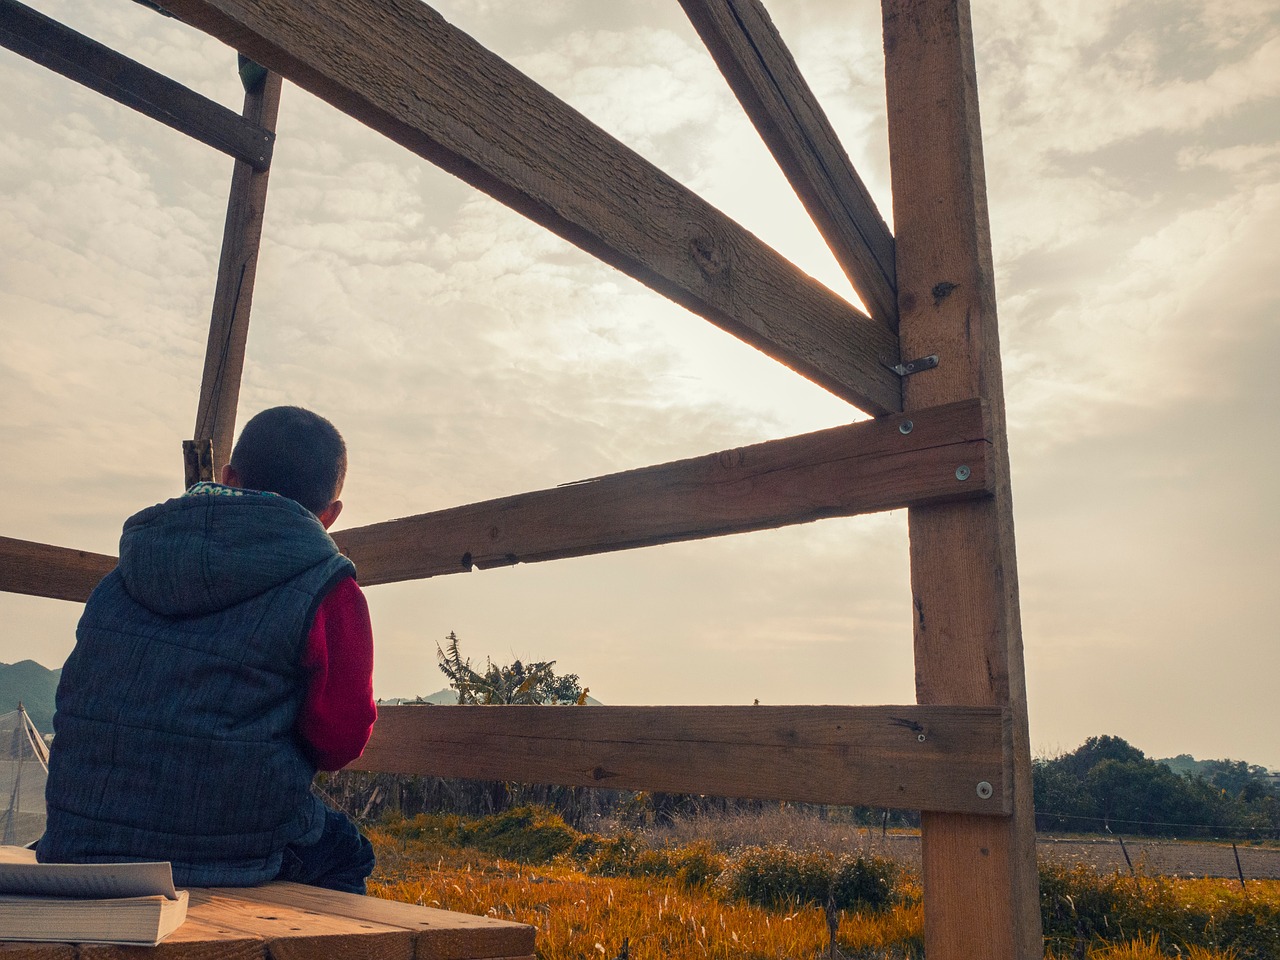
column 34, row 685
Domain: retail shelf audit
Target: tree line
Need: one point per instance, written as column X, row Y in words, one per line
column 1108, row 785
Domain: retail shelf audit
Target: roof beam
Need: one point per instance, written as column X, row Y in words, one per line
column 859, row 468
column 909, row 757
column 400, row 68
column 75, row 56
column 764, row 77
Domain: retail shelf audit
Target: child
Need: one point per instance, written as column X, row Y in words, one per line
column 226, row 659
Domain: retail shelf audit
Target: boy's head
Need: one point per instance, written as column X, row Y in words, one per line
column 295, row 453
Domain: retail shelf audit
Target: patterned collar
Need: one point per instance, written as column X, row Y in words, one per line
column 207, row 488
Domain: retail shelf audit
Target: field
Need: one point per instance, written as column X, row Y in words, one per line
column 713, row 889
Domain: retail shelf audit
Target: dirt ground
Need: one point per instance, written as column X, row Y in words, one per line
column 1152, row 857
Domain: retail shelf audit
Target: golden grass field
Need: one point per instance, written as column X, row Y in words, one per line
column 579, row 914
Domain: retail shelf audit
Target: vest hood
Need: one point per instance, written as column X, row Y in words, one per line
column 195, row 555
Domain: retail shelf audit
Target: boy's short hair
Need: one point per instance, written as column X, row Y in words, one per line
column 293, row 452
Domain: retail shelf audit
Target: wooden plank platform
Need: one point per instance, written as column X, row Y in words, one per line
column 289, row 921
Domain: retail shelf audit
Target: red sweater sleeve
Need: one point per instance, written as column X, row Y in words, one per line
column 338, row 712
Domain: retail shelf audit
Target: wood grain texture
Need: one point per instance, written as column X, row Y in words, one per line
column 288, row 921
column 196, row 939
column 842, row 755
column 233, row 294
column 764, row 77
column 43, row 570
column 77, row 57
column 859, row 468
column 293, row 933
column 981, row 886
column 400, row 68
column 438, row 934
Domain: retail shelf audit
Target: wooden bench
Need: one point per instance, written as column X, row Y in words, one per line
column 288, row 921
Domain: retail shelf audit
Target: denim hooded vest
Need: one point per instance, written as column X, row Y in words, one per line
column 174, row 733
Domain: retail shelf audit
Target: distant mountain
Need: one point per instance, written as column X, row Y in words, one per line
column 450, row 696
column 34, row 685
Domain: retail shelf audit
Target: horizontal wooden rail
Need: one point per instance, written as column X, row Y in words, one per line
column 859, row 468
column 954, row 759
column 764, row 77
column 77, row 57
column 42, row 570
column 400, row 68
column 935, row 456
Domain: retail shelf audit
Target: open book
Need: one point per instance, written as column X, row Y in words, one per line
column 87, row 902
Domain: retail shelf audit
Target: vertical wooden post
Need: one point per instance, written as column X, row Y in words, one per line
column 237, row 268
column 980, row 878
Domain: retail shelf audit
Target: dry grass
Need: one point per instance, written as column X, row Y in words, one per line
column 580, row 915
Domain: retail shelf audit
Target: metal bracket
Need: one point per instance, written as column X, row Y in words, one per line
column 915, row 366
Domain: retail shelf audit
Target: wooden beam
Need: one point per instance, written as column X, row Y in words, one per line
column 862, row 467
column 980, row 880
column 859, row 468
column 763, row 75
column 919, row 758
column 438, row 934
column 397, row 66
column 233, row 295
column 75, row 56
column 42, row 570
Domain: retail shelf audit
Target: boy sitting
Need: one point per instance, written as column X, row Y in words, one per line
column 226, row 659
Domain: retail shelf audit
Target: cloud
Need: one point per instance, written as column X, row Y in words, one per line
column 1132, row 161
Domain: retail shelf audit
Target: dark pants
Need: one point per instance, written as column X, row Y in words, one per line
column 340, row 860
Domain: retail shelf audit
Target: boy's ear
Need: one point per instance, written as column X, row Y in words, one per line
column 228, row 476
column 329, row 514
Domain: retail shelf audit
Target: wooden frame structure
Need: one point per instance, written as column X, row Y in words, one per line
column 924, row 362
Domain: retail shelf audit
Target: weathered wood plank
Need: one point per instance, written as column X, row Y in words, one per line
column 980, row 880
column 399, row 67
column 196, row 939
column 43, row 570
column 754, row 59
column 77, row 57
column 438, row 934
column 859, row 468
column 292, row 933
column 233, row 295
column 920, row 758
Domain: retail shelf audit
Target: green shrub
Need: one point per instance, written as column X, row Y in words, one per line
column 627, row 855
column 778, row 877
column 424, row 826
column 696, row 864
column 524, row 834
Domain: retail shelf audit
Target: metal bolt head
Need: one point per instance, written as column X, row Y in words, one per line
column 920, row 737
column 963, row 473
column 984, row 790
column 905, row 427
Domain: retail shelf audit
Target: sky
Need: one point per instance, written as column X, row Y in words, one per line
column 1133, row 166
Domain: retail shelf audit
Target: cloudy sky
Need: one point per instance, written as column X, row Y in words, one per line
column 1133, row 163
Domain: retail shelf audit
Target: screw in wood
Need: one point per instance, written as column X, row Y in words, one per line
column 962, row 473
